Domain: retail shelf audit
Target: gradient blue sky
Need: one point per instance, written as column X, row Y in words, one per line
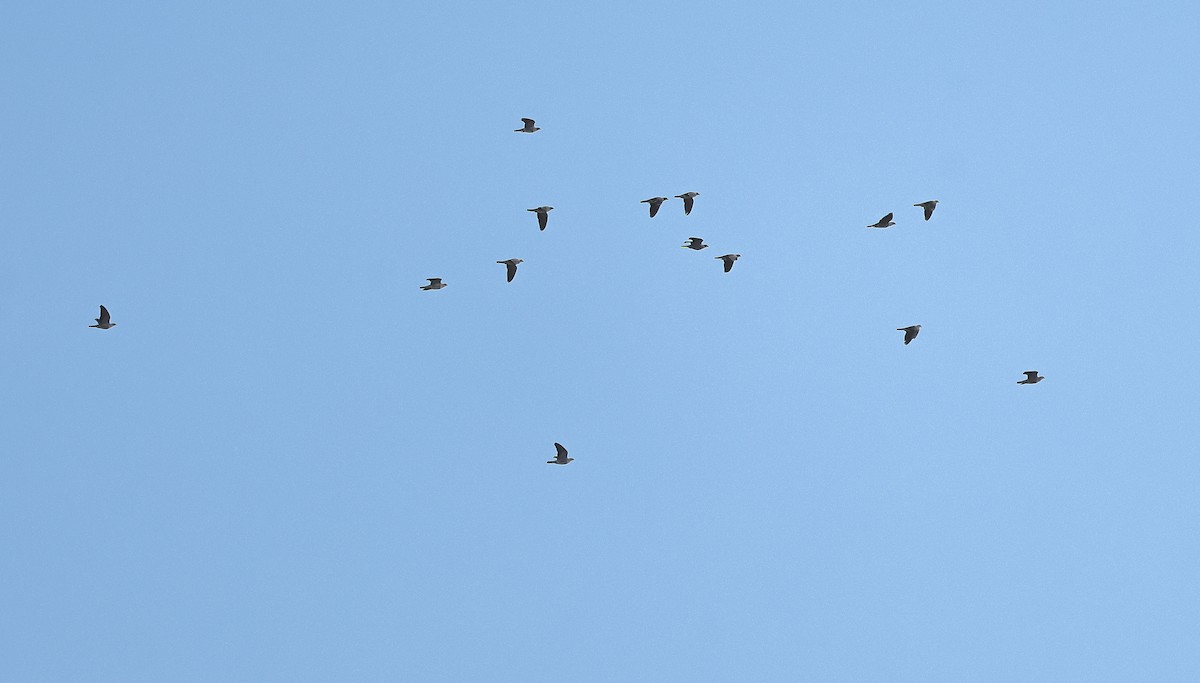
column 289, row 463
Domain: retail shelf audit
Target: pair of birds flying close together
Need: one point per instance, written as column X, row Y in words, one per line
column 911, row 332
column 887, row 222
column 697, row 243
column 511, row 264
column 689, row 200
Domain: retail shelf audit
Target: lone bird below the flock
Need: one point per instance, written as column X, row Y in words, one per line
column 530, row 127
column 104, row 322
column 561, row 458
column 910, row 332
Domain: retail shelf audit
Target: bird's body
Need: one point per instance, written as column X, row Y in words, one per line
column 1031, row 377
column 910, row 332
column 655, row 203
column 104, row 322
column 885, row 222
column 512, row 267
column 688, row 199
column 929, row 206
column 561, row 457
column 434, row 283
column 530, row 127
column 543, row 214
column 729, row 259
column 696, row 243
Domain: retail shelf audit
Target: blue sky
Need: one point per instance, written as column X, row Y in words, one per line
column 288, row 463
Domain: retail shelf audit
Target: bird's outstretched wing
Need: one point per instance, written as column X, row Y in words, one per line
column 529, row 123
column 687, row 204
column 928, row 210
column 1030, row 374
column 104, row 316
column 886, row 219
column 562, row 452
column 512, row 270
column 728, row 263
column 434, row 280
column 543, row 217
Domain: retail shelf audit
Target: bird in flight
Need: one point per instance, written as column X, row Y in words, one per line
column 688, row 199
column 512, row 266
column 543, row 213
column 561, row 458
column 530, row 127
column 654, row 203
column 885, row 222
column 729, row 259
column 929, row 206
column 434, row 283
column 104, row 321
column 696, row 243
column 910, row 332
column 1031, row 377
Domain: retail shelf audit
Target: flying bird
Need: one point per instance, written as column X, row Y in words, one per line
column 104, row 321
column 561, row 458
column 434, row 283
column 1031, row 377
column 929, row 206
column 688, row 199
column 543, row 213
column 910, row 332
column 512, row 266
column 885, row 222
column 729, row 259
column 530, row 127
column 654, row 203
column 696, row 243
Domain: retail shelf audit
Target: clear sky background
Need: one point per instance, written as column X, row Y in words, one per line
column 288, row 463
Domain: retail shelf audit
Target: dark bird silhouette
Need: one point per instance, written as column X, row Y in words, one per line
column 529, row 127
column 1031, row 377
column 696, row 243
column 910, row 332
column 688, row 199
column 885, row 222
column 434, row 283
column 729, row 259
column 512, row 266
column 543, row 213
column 104, row 322
column 561, row 458
column 929, row 206
column 654, row 203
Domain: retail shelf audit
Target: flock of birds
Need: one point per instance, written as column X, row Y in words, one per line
column 104, row 322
